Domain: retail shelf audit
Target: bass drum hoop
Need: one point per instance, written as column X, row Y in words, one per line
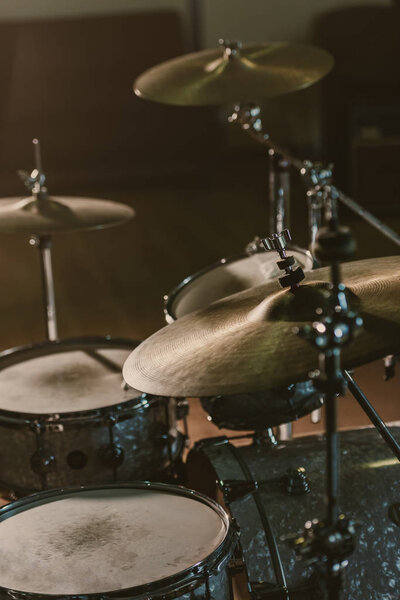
column 121, row 410
column 171, row 297
column 168, row 587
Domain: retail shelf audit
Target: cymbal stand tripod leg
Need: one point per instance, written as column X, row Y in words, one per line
column 373, row 416
column 44, row 243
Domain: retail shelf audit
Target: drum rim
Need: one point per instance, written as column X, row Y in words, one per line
column 169, row 299
column 20, row 354
column 186, row 580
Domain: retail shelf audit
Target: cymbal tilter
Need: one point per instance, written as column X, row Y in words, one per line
column 278, row 242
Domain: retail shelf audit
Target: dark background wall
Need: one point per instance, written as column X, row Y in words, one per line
column 199, row 186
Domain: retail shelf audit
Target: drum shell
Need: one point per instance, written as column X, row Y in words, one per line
column 243, row 412
column 369, row 486
column 263, row 409
column 83, row 373
column 225, row 277
column 208, row 578
column 144, row 429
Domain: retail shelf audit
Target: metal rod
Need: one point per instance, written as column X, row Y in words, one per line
column 372, row 415
column 38, row 158
column 332, row 459
column 43, row 244
column 367, row 216
column 279, row 193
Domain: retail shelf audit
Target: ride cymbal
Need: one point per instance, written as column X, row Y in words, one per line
column 43, row 215
column 245, row 342
column 234, row 74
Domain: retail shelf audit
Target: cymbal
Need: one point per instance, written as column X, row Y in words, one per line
column 239, row 74
column 44, row 215
column 245, row 342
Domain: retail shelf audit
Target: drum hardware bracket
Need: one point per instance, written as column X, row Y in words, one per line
column 264, row 438
column 320, row 544
column 247, row 116
column 296, row 482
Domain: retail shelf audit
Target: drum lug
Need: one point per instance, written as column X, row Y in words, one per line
column 296, row 482
column 236, row 566
column 234, row 489
column 112, row 455
column 42, row 461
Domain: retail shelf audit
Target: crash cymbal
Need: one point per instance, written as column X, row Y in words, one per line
column 43, row 215
column 234, row 74
column 245, row 343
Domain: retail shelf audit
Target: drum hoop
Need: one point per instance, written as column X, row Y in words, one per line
column 187, row 580
column 121, row 410
column 170, row 298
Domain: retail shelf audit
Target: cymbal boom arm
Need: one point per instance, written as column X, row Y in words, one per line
column 247, row 116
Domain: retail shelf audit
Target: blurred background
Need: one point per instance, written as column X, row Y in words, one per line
column 199, row 186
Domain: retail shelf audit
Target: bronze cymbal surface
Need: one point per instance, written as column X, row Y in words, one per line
column 44, row 215
column 219, row 76
column 245, row 342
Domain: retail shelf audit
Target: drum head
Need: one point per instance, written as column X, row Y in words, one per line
column 65, row 382
column 97, row 541
column 228, row 277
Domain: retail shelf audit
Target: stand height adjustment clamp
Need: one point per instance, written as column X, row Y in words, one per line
column 321, row 544
column 278, row 242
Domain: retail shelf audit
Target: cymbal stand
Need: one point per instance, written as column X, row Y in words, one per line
column 315, row 175
column 329, row 543
column 35, row 183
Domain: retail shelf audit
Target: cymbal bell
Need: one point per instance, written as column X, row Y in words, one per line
column 234, row 74
column 41, row 214
column 245, row 342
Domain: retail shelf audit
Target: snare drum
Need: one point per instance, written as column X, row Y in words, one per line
column 227, row 276
column 66, row 418
column 133, row 541
column 271, row 501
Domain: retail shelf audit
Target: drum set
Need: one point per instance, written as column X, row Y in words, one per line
column 263, row 339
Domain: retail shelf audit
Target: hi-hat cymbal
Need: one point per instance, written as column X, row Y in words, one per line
column 44, row 215
column 238, row 74
column 245, row 343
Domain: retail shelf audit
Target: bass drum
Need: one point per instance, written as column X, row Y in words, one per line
column 134, row 541
column 66, row 418
column 284, row 498
column 226, row 277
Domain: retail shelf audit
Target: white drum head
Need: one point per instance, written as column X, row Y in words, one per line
column 64, row 382
column 229, row 278
column 100, row 541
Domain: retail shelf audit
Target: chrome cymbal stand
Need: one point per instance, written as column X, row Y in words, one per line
column 34, row 182
column 328, row 544
column 315, row 175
